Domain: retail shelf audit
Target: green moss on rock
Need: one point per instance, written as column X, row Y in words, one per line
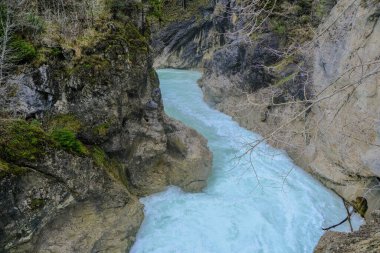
column 63, row 129
column 7, row 168
column 279, row 27
column 102, row 129
column 101, row 160
column 136, row 40
column 67, row 140
column 94, row 62
column 67, row 121
column 22, row 140
column 99, row 156
column 45, row 55
column 23, row 51
column 36, row 203
column 4, row 168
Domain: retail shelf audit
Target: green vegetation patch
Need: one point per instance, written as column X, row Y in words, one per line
column 136, row 41
column 102, row 129
column 7, row 168
column 22, row 140
column 44, row 54
column 94, row 62
column 37, row 203
column 67, row 121
column 103, row 161
column 279, row 27
column 99, row 156
column 63, row 129
column 67, row 140
column 156, row 7
column 88, row 67
column 23, row 51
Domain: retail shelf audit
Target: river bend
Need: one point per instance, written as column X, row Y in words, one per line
column 284, row 213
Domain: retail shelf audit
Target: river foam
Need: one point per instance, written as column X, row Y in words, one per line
column 282, row 212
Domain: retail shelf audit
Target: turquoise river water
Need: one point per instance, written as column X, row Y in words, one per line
column 282, row 212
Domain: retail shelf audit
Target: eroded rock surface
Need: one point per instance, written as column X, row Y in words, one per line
column 83, row 135
column 337, row 139
column 366, row 240
column 66, row 203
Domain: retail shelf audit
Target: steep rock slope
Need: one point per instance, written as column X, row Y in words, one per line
column 83, row 133
column 344, row 148
column 188, row 37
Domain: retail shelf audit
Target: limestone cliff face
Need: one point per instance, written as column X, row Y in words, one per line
column 83, row 135
column 188, row 42
column 344, row 148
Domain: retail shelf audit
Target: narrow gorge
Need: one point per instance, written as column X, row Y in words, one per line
column 260, row 202
column 99, row 155
column 304, row 75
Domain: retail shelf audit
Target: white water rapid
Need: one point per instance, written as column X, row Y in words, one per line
column 234, row 213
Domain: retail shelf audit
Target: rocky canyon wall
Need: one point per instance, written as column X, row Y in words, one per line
column 84, row 134
column 307, row 80
column 307, row 83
